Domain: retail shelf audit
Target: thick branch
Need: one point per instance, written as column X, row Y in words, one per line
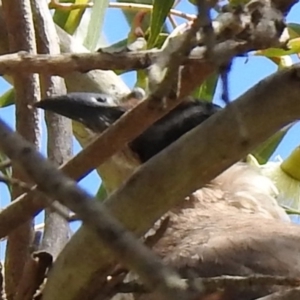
column 18, row 17
column 62, row 64
column 238, row 26
column 270, row 105
column 59, row 146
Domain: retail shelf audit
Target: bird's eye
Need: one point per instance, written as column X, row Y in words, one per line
column 94, row 99
column 101, row 99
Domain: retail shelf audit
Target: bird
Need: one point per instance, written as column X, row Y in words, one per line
column 96, row 113
column 232, row 226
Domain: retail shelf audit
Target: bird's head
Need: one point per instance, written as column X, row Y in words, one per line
column 95, row 111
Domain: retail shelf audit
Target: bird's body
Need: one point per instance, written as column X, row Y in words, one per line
column 93, row 110
column 233, row 226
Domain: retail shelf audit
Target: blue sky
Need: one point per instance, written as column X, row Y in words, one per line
column 244, row 74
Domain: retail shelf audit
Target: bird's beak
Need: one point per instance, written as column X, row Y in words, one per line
column 95, row 111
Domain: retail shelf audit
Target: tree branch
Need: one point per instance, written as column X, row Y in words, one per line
column 59, row 146
column 213, row 284
column 237, row 26
column 18, row 17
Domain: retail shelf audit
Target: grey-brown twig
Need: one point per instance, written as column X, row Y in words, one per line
column 5, row 164
column 16, row 182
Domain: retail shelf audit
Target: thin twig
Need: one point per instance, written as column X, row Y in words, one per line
column 5, row 164
column 172, row 21
column 209, row 39
column 124, row 6
column 25, row 187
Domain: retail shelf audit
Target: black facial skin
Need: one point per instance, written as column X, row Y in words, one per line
column 94, row 111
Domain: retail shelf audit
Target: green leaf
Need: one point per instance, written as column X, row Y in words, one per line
column 263, row 152
column 161, row 39
column 101, row 193
column 273, row 52
column 95, row 24
column 159, row 14
column 69, row 20
column 142, row 79
column 8, row 98
column 116, row 47
column 207, row 89
column 294, row 45
column 293, row 48
column 290, row 211
column 294, row 30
